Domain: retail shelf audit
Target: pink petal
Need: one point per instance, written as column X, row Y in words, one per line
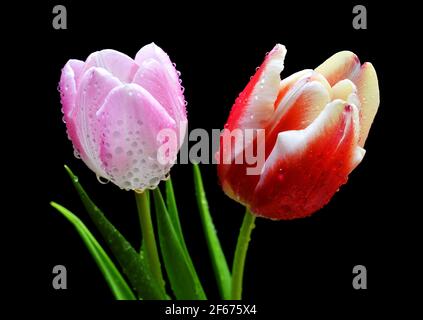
column 130, row 121
column 308, row 166
column 155, row 78
column 95, row 85
column 152, row 51
column 68, row 87
column 115, row 62
column 68, row 84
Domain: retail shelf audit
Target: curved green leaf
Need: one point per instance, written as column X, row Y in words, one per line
column 133, row 264
column 220, row 266
column 182, row 276
column 174, row 215
column 114, row 279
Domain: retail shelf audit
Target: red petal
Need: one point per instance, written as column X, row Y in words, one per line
column 308, row 166
column 299, row 104
column 253, row 109
column 254, row 106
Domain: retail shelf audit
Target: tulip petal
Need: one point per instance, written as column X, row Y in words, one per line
column 117, row 63
column 153, row 51
column 340, row 66
column 158, row 75
column 68, row 84
column 67, row 88
column 368, row 92
column 343, row 89
column 298, row 107
column 306, row 167
column 155, row 78
column 254, row 107
column 130, row 121
column 95, row 85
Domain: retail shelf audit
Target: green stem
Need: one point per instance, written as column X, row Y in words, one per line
column 148, row 238
column 241, row 253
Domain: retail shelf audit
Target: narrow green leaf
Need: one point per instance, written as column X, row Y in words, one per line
column 114, row 279
column 220, row 266
column 182, row 276
column 133, row 264
column 173, row 211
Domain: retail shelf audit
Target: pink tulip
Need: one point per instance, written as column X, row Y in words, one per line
column 116, row 107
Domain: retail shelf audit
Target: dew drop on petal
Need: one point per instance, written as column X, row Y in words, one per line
column 102, row 180
column 76, row 154
column 280, row 175
column 154, row 180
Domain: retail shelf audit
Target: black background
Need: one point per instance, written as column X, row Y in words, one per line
column 217, row 48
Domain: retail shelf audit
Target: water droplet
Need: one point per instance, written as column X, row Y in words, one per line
column 102, row 180
column 280, row 175
column 129, row 153
column 76, row 154
column 154, row 180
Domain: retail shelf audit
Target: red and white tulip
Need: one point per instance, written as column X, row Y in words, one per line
column 315, row 122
